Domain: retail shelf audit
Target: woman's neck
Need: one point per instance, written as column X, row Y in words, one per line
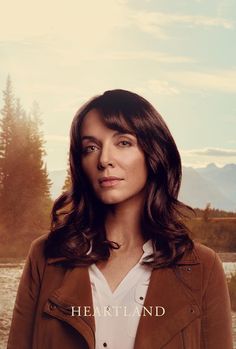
column 123, row 225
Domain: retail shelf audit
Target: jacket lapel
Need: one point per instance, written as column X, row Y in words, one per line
column 74, row 291
column 178, row 291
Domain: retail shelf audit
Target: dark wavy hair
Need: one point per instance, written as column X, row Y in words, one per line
column 78, row 217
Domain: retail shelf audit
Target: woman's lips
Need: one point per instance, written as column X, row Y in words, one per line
column 109, row 183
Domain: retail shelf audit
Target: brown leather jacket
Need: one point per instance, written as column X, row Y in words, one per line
column 195, row 297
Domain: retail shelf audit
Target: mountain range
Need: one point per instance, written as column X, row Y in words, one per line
column 200, row 186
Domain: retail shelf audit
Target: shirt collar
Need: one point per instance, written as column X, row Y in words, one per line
column 147, row 248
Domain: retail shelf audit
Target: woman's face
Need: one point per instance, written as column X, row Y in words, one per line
column 108, row 153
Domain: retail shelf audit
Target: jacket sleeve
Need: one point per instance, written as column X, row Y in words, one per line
column 217, row 318
column 22, row 325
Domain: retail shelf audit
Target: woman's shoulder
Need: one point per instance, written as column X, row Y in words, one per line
column 203, row 252
column 36, row 255
column 200, row 253
column 203, row 265
column 209, row 259
column 35, row 260
column 37, row 245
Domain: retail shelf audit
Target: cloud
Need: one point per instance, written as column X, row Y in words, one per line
column 210, row 152
column 71, row 59
column 158, row 87
column 88, row 23
column 155, row 22
column 160, row 57
column 202, row 157
column 223, row 80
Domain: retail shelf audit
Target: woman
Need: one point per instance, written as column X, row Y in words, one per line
column 119, row 269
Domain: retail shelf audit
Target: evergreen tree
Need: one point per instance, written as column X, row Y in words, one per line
column 7, row 169
column 6, row 130
column 67, row 183
column 38, row 169
column 25, row 197
column 207, row 212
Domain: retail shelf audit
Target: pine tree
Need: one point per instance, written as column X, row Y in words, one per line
column 40, row 181
column 6, row 130
column 7, row 168
column 25, row 196
column 67, row 183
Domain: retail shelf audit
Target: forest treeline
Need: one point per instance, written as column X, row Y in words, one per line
column 25, row 200
column 220, row 235
column 214, row 228
column 209, row 213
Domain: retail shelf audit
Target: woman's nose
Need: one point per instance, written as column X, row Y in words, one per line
column 106, row 158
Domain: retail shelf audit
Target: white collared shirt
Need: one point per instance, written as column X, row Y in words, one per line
column 117, row 314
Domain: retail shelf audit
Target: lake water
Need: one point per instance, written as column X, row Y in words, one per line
column 229, row 268
column 9, row 279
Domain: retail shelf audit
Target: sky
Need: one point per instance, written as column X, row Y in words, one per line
column 178, row 54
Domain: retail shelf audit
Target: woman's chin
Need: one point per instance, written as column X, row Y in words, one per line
column 111, row 200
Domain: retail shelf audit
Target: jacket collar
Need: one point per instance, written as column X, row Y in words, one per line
column 188, row 258
column 181, row 307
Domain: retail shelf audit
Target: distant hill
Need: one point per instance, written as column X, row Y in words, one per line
column 197, row 190
column 200, row 186
column 224, row 178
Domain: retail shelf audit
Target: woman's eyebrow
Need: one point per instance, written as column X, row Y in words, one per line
column 93, row 138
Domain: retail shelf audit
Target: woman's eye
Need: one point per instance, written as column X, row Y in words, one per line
column 89, row 149
column 125, row 143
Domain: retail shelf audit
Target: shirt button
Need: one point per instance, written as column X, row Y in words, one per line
column 105, row 344
column 141, row 298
